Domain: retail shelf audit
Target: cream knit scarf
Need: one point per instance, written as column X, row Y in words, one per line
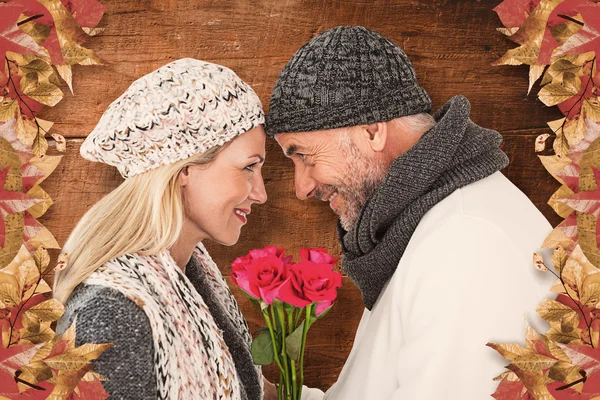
column 192, row 360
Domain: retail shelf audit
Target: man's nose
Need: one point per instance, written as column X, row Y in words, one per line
column 305, row 184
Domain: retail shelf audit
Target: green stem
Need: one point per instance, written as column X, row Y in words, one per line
column 283, row 353
column 303, row 347
column 298, row 315
column 292, row 328
column 271, row 332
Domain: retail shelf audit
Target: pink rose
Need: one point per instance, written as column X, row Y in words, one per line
column 317, row 255
column 261, row 277
column 270, row 250
column 310, row 282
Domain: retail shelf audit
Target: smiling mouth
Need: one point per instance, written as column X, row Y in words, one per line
column 242, row 215
column 335, row 193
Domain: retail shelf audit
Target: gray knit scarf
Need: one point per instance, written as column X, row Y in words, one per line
column 453, row 154
column 251, row 388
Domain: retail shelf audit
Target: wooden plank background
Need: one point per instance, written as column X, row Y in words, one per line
column 452, row 44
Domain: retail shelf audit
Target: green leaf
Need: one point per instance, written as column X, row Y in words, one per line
column 262, row 349
column 293, row 343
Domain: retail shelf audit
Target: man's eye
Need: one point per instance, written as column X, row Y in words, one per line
column 301, row 156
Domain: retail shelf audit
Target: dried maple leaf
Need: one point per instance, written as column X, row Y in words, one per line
column 587, row 38
column 513, row 13
column 12, row 38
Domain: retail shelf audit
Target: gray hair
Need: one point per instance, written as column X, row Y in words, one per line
column 417, row 123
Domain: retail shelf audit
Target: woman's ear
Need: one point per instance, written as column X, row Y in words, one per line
column 378, row 134
column 184, row 176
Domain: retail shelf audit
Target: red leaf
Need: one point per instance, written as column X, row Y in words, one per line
column 572, row 106
column 12, row 38
column 87, row 13
column 11, row 359
column 511, row 391
column 513, row 13
column 91, row 391
column 587, row 202
column 588, row 37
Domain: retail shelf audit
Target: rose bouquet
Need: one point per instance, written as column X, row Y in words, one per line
column 291, row 297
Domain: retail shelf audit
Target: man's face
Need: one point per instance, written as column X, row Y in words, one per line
column 330, row 167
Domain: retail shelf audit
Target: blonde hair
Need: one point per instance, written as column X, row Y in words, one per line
column 143, row 215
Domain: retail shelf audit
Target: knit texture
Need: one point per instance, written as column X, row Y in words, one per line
column 183, row 108
column 203, row 370
column 453, row 154
column 346, row 76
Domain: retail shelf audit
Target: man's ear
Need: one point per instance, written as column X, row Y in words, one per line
column 378, row 135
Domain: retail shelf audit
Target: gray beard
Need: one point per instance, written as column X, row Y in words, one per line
column 362, row 178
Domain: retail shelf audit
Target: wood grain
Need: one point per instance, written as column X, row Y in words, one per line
column 452, row 44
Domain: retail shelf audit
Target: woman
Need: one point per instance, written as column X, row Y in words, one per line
column 189, row 140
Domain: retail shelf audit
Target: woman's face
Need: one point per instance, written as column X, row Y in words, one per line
column 218, row 197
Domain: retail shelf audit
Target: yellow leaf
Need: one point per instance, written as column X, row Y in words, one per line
column 39, row 209
column 10, row 294
column 554, row 349
column 67, row 362
column 43, row 92
column 26, row 130
column 61, row 144
column 40, row 68
column 586, row 229
column 534, row 362
column 538, row 262
column 63, row 259
column 559, row 258
column 21, row 59
column 8, row 108
column 555, row 93
column 553, row 311
column 92, row 31
column 66, row 382
column 540, row 142
column 559, row 68
column 574, row 130
column 40, row 145
column 564, row 192
column 93, row 376
column 45, row 350
column 535, row 71
column 44, row 334
column 590, row 290
column 564, row 31
column 38, row 32
column 554, row 164
column 91, row 351
column 557, row 335
column 46, row 164
column 42, row 259
column 591, row 109
column 564, row 371
column 34, row 372
column 23, row 268
column 47, row 311
column 67, row 30
column 44, row 238
column 66, row 74
column 510, row 351
column 69, row 334
column 529, row 36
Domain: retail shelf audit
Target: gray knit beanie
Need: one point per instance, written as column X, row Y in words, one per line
column 346, row 76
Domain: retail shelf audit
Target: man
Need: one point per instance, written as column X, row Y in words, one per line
column 438, row 241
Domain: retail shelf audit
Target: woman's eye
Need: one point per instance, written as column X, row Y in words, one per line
column 250, row 167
